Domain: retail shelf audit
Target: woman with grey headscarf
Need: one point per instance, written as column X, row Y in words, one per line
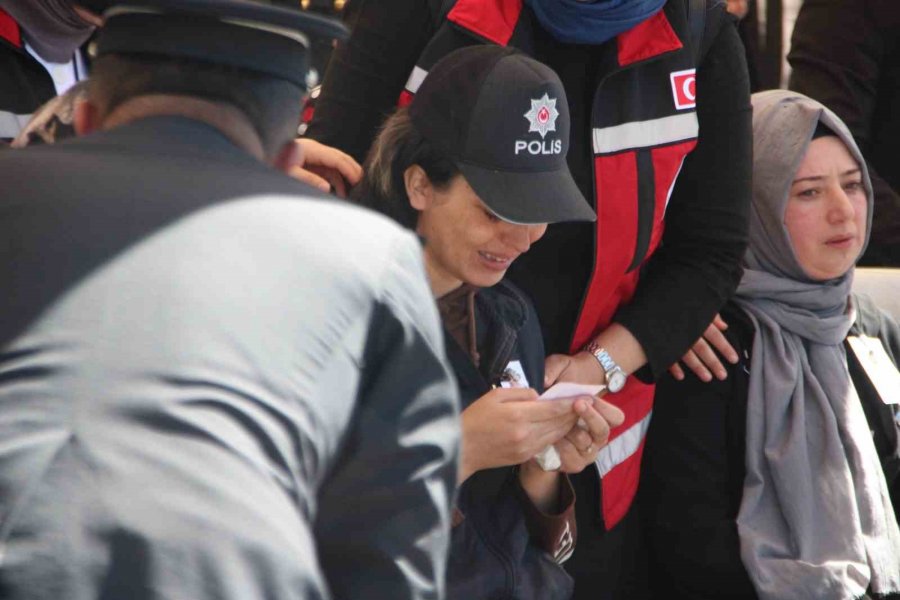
column 775, row 483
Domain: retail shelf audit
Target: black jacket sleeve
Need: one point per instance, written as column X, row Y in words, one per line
column 367, row 72
column 385, row 504
column 491, row 552
column 692, row 482
column 837, row 54
column 696, row 269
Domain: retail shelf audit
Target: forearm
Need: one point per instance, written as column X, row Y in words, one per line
column 623, row 346
column 697, row 267
column 554, row 529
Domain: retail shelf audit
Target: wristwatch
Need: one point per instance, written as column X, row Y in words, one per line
column 615, row 376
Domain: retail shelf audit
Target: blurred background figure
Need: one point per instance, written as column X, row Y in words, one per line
column 323, row 167
column 846, row 55
column 54, row 121
column 215, row 382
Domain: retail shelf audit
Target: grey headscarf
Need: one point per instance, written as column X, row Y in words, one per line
column 51, row 27
column 816, row 520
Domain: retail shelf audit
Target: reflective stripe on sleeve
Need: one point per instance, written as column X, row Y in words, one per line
column 617, row 451
column 416, row 78
column 646, row 134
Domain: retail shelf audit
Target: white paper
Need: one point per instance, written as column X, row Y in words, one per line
column 548, row 458
column 567, row 389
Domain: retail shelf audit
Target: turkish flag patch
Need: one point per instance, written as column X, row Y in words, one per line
column 684, row 88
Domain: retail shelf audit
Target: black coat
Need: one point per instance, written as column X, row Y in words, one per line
column 491, row 553
column 693, row 474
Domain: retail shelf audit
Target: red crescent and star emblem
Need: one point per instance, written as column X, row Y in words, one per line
column 542, row 116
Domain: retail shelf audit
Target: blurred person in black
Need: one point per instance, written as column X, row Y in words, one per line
column 846, row 56
column 215, row 382
column 323, row 167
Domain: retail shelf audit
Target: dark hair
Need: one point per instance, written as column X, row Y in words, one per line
column 822, row 130
column 399, row 146
column 271, row 105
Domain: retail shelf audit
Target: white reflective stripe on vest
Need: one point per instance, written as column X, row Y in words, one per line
column 11, row 124
column 646, row 134
column 416, row 78
column 620, row 449
column 672, row 186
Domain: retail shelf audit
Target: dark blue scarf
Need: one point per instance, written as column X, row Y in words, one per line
column 574, row 22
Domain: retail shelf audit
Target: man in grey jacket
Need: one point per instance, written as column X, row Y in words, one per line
column 214, row 382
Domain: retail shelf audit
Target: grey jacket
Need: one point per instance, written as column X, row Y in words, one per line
column 212, row 383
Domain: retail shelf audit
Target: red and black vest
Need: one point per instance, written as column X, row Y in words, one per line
column 644, row 124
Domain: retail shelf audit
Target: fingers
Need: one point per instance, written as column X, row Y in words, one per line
column 523, row 407
column 719, row 322
column 320, row 155
column 581, row 439
column 598, row 427
column 710, row 359
column 334, row 178
column 702, row 358
column 333, row 169
column 554, row 367
column 574, row 459
column 613, row 414
column 579, row 447
column 551, row 411
column 344, row 164
column 717, row 339
column 693, row 362
column 512, row 394
column 310, row 178
column 550, row 431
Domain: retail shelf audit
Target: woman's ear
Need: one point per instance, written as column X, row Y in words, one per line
column 418, row 187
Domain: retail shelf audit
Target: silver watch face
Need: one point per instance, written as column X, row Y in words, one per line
column 615, row 381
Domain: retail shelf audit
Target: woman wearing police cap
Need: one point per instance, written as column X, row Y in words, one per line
column 462, row 169
column 660, row 144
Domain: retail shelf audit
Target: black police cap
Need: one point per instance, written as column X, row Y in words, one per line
column 503, row 117
column 246, row 34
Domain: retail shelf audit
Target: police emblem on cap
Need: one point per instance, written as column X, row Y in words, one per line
column 542, row 116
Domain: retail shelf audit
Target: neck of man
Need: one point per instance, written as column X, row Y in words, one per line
column 227, row 119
